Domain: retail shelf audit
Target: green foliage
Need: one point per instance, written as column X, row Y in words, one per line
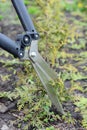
column 82, row 107
column 53, row 30
column 26, row 2
column 34, row 10
column 82, row 4
column 32, row 7
column 69, row 5
column 75, row 5
column 8, row 95
column 78, row 46
column 50, row 128
column 68, row 118
column 35, row 107
column 73, row 76
column 60, row 89
column 1, row 17
column 33, row 101
column 4, row 6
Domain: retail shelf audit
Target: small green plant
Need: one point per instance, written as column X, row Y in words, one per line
column 32, row 7
column 60, row 89
column 34, row 10
column 26, row 2
column 50, row 128
column 82, row 107
column 1, row 17
column 75, row 5
column 69, row 5
column 82, row 4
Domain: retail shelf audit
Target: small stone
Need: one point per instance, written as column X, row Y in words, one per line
column 5, row 127
column 3, row 108
column 33, row 54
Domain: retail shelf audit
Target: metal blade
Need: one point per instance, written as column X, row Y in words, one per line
column 45, row 74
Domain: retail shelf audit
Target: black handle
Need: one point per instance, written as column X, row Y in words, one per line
column 23, row 15
column 10, row 46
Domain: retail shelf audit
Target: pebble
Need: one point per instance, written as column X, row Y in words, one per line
column 5, row 127
column 3, row 108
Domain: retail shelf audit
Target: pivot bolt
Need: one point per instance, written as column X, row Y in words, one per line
column 33, row 54
column 36, row 36
column 21, row 54
column 26, row 40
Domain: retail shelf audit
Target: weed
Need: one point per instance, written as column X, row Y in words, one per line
column 76, row 5
column 82, row 107
column 53, row 31
column 1, row 17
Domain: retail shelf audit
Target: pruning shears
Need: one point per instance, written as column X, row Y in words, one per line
column 18, row 48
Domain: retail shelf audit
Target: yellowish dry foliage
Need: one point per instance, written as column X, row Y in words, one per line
column 54, row 31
